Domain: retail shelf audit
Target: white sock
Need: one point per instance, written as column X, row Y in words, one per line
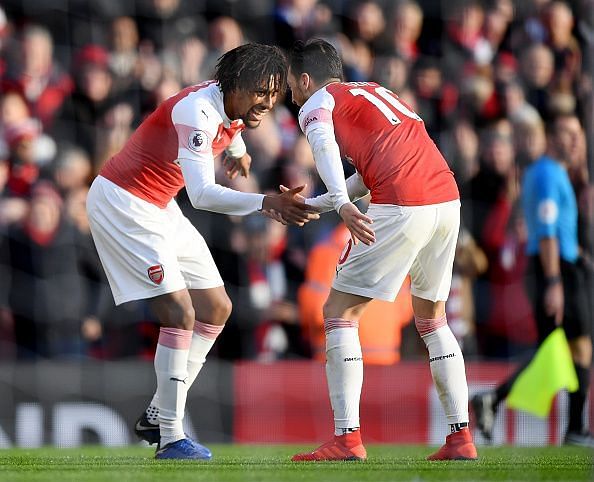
column 171, row 367
column 344, row 372
column 203, row 339
column 447, row 367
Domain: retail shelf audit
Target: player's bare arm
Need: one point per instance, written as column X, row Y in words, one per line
column 554, row 299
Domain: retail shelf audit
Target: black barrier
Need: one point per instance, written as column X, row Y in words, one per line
column 69, row 403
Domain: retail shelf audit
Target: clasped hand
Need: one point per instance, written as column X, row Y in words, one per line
column 289, row 207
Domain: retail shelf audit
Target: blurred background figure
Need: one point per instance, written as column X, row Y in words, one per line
column 367, row 22
column 37, row 76
column 72, row 170
column 124, row 53
column 80, row 116
column 407, row 24
column 537, row 67
column 469, row 263
column 40, row 263
column 224, row 34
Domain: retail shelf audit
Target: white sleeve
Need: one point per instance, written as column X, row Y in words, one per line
column 196, row 123
column 237, row 148
column 326, row 154
column 356, row 189
column 205, row 193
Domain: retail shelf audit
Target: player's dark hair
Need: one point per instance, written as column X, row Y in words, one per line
column 249, row 67
column 317, row 58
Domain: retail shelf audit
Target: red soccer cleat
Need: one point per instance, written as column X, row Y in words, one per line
column 458, row 446
column 342, row 447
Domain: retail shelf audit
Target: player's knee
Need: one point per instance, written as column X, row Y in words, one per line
column 180, row 315
column 330, row 309
column 221, row 310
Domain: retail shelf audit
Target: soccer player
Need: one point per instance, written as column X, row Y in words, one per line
column 415, row 213
column 151, row 251
column 556, row 279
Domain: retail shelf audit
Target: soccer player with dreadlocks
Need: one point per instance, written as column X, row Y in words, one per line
column 151, row 251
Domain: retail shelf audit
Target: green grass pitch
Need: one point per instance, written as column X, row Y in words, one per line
column 271, row 464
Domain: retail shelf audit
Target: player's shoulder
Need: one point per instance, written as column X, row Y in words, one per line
column 321, row 99
column 318, row 107
column 343, row 87
column 199, row 107
column 205, row 96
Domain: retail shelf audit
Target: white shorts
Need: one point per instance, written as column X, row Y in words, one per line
column 146, row 251
column 420, row 240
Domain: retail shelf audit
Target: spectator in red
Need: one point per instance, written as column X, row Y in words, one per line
column 24, row 170
column 37, row 76
column 407, row 24
column 464, row 44
column 39, row 261
column 508, row 324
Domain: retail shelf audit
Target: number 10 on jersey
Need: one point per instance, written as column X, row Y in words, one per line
column 381, row 99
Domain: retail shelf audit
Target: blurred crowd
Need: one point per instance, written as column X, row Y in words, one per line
column 78, row 76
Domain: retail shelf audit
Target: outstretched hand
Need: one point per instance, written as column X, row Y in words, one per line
column 299, row 197
column 237, row 165
column 272, row 214
column 289, row 207
column 357, row 223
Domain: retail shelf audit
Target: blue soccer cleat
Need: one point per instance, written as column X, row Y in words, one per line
column 185, row 448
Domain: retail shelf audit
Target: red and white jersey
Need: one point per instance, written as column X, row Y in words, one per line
column 383, row 138
column 189, row 125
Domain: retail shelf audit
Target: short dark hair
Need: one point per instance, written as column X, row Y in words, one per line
column 551, row 127
column 317, row 58
column 250, row 67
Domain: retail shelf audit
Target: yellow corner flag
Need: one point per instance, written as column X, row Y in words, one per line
column 550, row 370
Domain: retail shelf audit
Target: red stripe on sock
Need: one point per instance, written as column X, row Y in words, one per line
column 429, row 325
column 334, row 323
column 175, row 338
column 207, row 331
